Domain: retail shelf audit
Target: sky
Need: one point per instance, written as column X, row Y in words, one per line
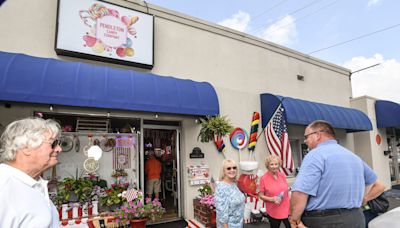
column 368, row 29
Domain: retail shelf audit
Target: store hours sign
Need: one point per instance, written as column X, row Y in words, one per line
column 105, row 32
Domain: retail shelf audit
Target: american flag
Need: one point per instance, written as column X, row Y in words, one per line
column 278, row 139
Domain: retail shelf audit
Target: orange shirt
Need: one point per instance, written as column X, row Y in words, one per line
column 152, row 168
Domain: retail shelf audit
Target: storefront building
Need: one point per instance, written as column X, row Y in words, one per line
column 380, row 146
column 190, row 69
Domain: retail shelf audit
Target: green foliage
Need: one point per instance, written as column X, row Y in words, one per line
column 213, row 126
column 140, row 208
column 72, row 190
column 205, row 189
column 100, row 182
column 113, row 195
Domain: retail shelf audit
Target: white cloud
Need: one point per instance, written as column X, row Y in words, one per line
column 238, row 21
column 380, row 82
column 373, row 2
column 282, row 32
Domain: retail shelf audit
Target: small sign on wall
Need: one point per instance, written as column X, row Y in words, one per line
column 196, row 153
column 198, row 174
column 103, row 31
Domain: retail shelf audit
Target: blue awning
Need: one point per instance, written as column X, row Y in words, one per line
column 30, row 79
column 304, row 112
column 387, row 114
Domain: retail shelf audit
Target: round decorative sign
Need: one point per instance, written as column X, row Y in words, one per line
column 121, row 159
column 239, row 138
column 91, row 165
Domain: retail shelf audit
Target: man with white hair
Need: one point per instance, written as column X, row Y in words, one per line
column 28, row 148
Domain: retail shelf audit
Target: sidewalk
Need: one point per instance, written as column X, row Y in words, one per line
column 393, row 196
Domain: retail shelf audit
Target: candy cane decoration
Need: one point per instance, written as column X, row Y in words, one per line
column 255, row 121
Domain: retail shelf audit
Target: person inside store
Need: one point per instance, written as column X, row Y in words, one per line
column 28, row 148
column 152, row 170
column 329, row 189
column 229, row 200
column 274, row 192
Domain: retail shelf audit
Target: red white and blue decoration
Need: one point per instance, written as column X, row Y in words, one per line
column 239, row 138
column 278, row 139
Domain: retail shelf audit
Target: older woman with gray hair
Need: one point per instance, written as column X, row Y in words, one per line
column 28, row 148
column 274, row 192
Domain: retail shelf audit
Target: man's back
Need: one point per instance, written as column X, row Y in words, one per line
column 333, row 177
column 329, row 189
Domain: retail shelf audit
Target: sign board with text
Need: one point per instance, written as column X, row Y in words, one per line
column 106, row 32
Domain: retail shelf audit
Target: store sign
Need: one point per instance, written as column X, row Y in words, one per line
column 106, row 32
column 125, row 142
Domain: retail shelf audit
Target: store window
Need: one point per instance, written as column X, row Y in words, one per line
column 299, row 150
column 103, row 178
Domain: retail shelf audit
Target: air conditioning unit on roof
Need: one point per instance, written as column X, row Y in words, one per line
column 92, row 125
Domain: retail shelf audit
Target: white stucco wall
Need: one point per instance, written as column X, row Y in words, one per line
column 366, row 145
column 239, row 66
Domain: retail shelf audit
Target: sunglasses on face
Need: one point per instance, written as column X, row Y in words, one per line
column 229, row 168
column 55, row 143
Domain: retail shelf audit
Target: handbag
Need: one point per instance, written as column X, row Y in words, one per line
column 379, row 205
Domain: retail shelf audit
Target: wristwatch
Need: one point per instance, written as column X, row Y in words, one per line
column 295, row 222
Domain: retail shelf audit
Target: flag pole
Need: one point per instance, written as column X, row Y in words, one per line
column 280, row 103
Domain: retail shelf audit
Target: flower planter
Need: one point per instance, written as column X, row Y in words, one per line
column 213, row 220
column 204, row 214
column 138, row 223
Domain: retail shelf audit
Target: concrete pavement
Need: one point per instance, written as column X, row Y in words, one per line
column 393, row 196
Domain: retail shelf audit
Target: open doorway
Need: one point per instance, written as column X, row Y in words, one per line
column 160, row 169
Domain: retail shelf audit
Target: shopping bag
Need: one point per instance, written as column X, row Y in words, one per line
column 379, row 205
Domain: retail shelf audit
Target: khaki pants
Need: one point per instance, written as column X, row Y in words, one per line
column 153, row 186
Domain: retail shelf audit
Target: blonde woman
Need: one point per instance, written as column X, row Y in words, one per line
column 229, row 200
column 274, row 192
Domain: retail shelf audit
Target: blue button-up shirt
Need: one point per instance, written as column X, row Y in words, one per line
column 333, row 177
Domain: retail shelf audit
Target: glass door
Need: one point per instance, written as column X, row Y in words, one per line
column 393, row 140
column 160, row 168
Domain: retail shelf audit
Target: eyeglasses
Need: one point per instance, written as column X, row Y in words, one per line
column 229, row 168
column 55, row 143
column 307, row 135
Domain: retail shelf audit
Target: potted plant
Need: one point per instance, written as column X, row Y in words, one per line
column 74, row 190
column 137, row 210
column 214, row 128
column 205, row 190
column 207, row 204
column 112, row 198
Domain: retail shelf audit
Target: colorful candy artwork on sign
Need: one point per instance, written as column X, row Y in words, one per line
column 100, row 29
